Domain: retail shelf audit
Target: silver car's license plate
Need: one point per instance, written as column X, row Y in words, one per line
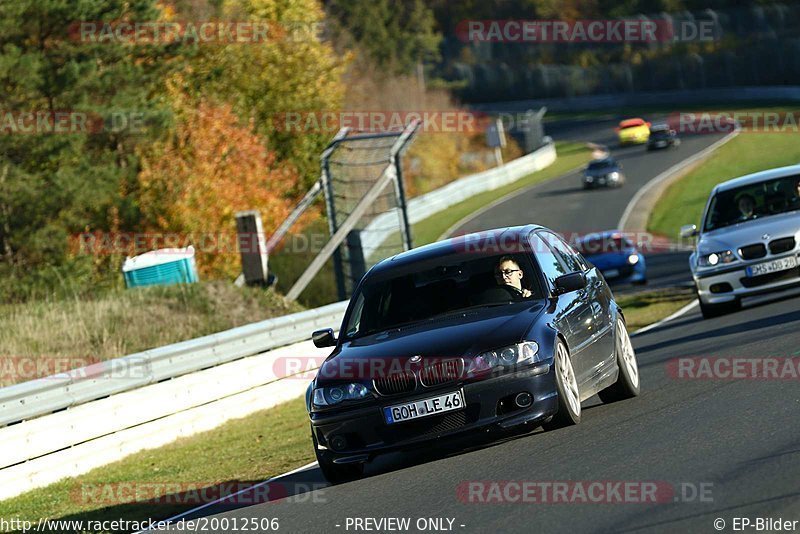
column 772, row 266
column 423, row 408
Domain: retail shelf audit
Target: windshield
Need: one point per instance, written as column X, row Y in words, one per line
column 601, row 164
column 438, row 287
column 602, row 245
column 753, row 201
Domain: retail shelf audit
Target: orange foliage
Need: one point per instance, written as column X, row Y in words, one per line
column 212, row 168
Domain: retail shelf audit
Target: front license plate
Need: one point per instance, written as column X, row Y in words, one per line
column 772, row 266
column 611, row 273
column 424, row 408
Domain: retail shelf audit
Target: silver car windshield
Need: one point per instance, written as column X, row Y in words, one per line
column 753, row 201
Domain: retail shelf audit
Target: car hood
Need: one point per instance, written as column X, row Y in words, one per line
column 465, row 334
column 738, row 235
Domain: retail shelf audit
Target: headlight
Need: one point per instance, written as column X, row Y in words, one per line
column 590, row 178
column 633, row 259
column 526, row 352
column 335, row 394
column 614, row 175
column 716, row 258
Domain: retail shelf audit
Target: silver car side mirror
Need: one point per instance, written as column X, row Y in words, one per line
column 689, row 230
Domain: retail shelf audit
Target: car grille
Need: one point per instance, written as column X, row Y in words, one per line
column 779, row 246
column 441, row 372
column 428, row 426
column 395, row 383
column 764, row 279
column 753, row 252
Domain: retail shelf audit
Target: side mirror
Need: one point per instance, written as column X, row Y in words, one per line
column 570, row 282
column 324, row 338
column 688, row 230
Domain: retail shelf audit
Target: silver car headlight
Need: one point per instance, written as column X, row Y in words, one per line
column 716, row 258
column 328, row 396
column 525, row 352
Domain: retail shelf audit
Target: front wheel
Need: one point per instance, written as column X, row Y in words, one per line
column 627, row 384
column 569, row 397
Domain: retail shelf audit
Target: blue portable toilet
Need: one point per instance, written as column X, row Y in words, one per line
column 163, row 267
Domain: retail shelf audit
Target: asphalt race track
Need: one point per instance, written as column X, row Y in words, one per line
column 563, row 205
column 716, row 449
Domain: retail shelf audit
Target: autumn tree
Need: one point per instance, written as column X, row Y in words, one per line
column 294, row 70
column 214, row 166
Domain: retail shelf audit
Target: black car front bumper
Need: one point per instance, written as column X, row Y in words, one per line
column 489, row 403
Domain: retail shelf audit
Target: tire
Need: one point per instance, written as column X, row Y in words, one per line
column 710, row 311
column 337, row 473
column 628, row 382
column 569, row 399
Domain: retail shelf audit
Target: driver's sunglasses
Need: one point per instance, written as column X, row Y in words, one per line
column 506, row 272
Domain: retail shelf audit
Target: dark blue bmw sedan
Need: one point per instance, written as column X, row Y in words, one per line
column 484, row 331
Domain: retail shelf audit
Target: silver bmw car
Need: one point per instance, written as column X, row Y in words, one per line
column 748, row 241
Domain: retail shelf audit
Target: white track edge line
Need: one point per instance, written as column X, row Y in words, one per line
column 228, row 497
column 675, row 315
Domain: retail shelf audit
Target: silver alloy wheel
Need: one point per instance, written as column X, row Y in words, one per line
column 568, row 381
column 628, row 357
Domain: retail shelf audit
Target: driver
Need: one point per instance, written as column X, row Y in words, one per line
column 508, row 273
column 746, row 204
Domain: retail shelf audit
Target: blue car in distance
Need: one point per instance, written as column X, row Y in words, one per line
column 615, row 256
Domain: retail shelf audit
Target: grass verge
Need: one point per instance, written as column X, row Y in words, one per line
column 247, row 450
column 570, row 156
column 683, row 201
column 647, row 307
column 74, row 332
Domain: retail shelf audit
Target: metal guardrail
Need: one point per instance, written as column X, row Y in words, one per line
column 46, row 395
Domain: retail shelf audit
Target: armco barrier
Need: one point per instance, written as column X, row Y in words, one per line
column 46, row 395
column 67, row 443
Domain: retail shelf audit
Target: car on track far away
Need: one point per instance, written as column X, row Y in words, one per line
column 662, row 136
column 603, row 172
column 509, row 328
column 633, row 131
column 748, row 241
column 615, row 255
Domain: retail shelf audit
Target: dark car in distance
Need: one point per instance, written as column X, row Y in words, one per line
column 662, row 136
column 435, row 345
column 604, row 172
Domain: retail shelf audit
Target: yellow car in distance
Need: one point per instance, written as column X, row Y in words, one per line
column 633, row 131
